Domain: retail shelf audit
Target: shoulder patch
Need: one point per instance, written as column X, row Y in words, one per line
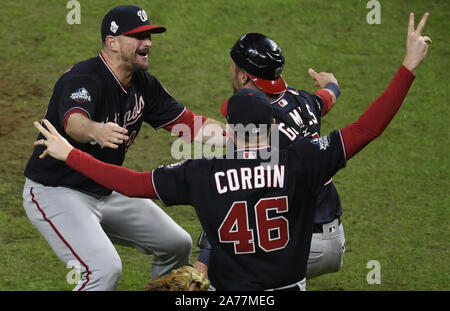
column 81, row 95
column 322, row 142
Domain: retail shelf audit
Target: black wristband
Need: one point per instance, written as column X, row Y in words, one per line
column 334, row 88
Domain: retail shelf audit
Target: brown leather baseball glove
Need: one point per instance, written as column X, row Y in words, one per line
column 179, row 280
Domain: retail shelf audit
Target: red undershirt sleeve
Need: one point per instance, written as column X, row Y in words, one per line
column 326, row 99
column 377, row 117
column 192, row 121
column 121, row 179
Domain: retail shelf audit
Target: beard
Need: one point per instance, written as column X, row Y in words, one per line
column 132, row 61
column 138, row 67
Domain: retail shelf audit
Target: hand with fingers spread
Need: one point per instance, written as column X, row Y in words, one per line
column 56, row 145
column 416, row 44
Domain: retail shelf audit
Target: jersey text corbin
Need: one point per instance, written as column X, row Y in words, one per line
column 270, row 176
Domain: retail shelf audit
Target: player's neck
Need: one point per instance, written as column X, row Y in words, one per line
column 124, row 75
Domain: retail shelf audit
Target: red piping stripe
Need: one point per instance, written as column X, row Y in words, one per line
column 343, row 144
column 62, row 238
column 330, row 180
column 113, row 74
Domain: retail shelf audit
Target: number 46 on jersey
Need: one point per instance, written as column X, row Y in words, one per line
column 272, row 232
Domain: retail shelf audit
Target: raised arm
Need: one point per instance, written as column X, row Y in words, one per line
column 376, row 118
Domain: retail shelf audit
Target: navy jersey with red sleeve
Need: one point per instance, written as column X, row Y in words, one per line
column 92, row 89
column 299, row 116
column 258, row 215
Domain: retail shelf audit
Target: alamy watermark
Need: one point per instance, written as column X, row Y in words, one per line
column 74, row 15
column 374, row 275
column 374, row 15
column 214, row 138
column 74, row 275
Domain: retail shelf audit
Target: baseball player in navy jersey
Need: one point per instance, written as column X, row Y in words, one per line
column 257, row 62
column 258, row 214
column 99, row 105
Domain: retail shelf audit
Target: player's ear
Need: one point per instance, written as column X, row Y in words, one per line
column 112, row 43
column 243, row 77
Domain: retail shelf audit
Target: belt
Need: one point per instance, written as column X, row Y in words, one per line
column 318, row 228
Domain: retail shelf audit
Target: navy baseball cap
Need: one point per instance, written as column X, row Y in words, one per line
column 250, row 107
column 127, row 20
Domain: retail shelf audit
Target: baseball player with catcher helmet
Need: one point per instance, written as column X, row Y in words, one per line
column 257, row 211
column 257, row 62
column 99, row 105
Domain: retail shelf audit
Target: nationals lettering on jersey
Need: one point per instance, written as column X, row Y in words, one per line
column 92, row 89
column 299, row 116
column 257, row 217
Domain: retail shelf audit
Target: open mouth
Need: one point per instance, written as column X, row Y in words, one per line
column 143, row 54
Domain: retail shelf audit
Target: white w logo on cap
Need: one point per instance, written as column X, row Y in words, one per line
column 142, row 15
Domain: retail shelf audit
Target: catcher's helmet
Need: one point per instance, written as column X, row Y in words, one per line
column 262, row 59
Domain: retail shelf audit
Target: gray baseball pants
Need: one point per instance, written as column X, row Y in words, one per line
column 81, row 229
column 327, row 250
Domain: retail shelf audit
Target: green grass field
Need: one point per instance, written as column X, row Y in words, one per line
column 395, row 193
